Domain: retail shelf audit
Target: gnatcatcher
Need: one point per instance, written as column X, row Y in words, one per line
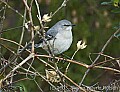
column 58, row 38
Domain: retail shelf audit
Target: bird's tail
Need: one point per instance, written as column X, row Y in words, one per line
column 37, row 45
column 29, row 47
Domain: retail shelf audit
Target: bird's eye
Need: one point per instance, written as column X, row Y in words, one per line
column 66, row 25
column 69, row 25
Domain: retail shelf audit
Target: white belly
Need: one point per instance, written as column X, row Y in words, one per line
column 60, row 44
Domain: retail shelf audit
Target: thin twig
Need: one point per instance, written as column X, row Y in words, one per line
column 19, row 65
column 64, row 75
column 62, row 5
column 26, row 5
column 39, row 14
column 71, row 59
column 16, row 11
column 1, row 26
column 68, row 60
column 43, row 76
column 75, row 62
column 103, row 62
column 38, row 86
column 108, row 41
column 23, row 31
column 14, row 82
column 22, row 34
column 31, row 22
column 107, row 68
column 11, row 41
column 111, row 58
column 6, row 30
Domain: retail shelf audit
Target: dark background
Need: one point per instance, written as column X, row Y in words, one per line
column 95, row 23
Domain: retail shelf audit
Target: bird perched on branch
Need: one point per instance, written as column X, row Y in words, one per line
column 58, row 38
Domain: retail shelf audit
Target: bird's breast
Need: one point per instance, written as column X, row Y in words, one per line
column 62, row 42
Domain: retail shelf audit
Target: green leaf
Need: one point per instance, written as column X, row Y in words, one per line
column 112, row 2
column 116, row 10
column 106, row 3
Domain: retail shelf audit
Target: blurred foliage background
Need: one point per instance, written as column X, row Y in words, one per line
column 95, row 23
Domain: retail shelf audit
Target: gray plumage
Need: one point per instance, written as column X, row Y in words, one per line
column 59, row 37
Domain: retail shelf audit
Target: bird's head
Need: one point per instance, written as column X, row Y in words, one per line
column 65, row 25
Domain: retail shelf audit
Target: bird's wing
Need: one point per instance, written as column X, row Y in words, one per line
column 50, row 34
column 52, row 31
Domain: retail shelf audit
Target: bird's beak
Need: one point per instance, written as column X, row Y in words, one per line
column 73, row 25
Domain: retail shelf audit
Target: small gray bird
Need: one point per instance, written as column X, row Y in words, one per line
column 59, row 38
